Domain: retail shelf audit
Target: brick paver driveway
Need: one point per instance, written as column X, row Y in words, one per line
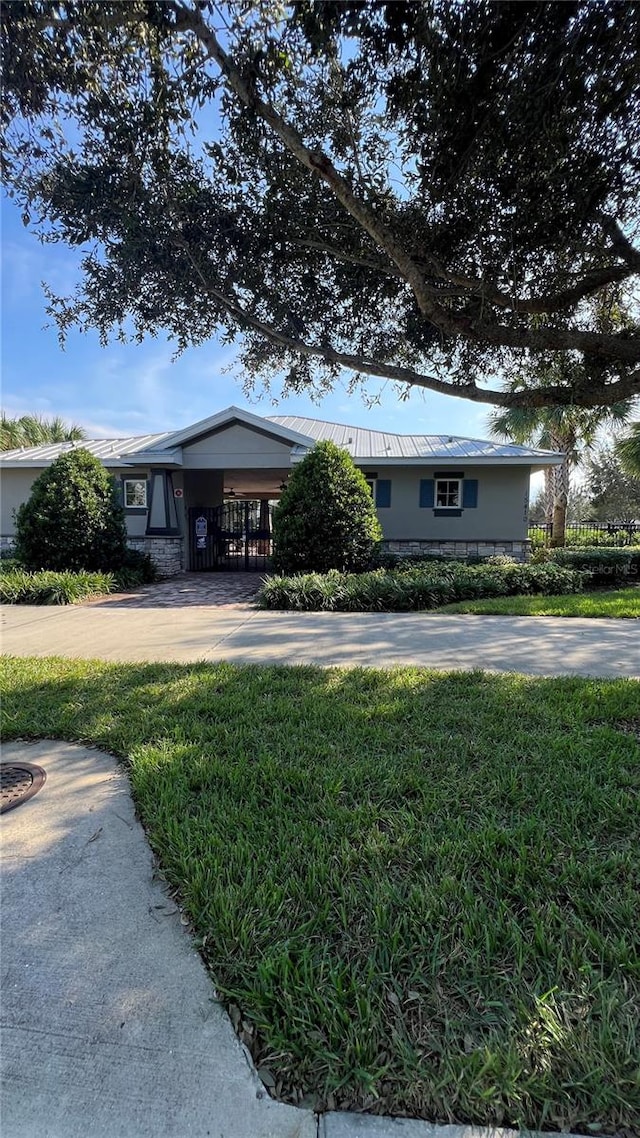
column 220, row 589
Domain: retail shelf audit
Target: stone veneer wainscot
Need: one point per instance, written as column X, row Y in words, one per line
column 167, row 553
column 519, row 550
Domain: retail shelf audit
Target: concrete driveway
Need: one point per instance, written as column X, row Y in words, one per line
column 123, row 630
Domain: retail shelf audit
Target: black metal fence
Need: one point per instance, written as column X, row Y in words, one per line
column 235, row 535
column 589, row 533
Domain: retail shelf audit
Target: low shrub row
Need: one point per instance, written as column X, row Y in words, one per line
column 604, row 565
column 417, row 587
column 137, row 569
column 19, row 587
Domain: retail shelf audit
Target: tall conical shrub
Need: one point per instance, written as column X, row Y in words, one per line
column 326, row 518
column 73, row 519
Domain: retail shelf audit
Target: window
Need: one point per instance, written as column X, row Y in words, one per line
column 135, row 493
column 380, row 490
column 448, row 492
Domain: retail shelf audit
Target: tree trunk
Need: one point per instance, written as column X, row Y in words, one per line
column 548, row 495
column 561, row 482
column 558, row 535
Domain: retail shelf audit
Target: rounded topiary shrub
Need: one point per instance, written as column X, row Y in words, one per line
column 326, row 518
column 73, row 519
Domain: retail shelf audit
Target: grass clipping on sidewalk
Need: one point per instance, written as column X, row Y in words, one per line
column 417, row 892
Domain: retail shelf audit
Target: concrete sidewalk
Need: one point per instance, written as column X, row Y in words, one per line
column 538, row 646
column 110, row 1026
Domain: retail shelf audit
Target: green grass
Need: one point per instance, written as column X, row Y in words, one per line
column 599, row 603
column 417, row 892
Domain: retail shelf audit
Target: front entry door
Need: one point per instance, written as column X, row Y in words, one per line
column 235, row 535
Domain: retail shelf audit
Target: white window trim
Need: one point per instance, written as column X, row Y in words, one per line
column 457, row 505
column 135, row 505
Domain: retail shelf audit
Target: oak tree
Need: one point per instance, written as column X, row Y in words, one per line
column 425, row 192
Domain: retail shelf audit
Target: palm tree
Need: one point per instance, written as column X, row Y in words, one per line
column 34, row 430
column 562, row 429
column 628, row 450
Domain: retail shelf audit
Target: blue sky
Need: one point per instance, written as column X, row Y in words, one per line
column 136, row 388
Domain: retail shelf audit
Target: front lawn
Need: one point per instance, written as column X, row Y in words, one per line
column 599, row 603
column 417, row 892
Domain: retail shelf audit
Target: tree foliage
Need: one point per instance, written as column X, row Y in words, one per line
column 34, row 430
column 628, row 450
column 326, row 518
column 72, row 519
column 615, row 496
column 426, row 192
column 569, row 431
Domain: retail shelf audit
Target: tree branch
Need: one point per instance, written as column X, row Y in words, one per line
column 320, row 164
column 621, row 244
column 591, row 282
column 462, row 286
column 596, row 396
column 348, row 258
column 598, row 345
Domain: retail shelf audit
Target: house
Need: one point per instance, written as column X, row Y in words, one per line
column 202, row 497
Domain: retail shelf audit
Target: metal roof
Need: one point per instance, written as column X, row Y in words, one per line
column 364, row 444
column 108, row 450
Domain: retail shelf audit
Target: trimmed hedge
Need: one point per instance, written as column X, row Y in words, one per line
column 326, row 518
column 581, row 538
column 604, row 564
column 420, row 587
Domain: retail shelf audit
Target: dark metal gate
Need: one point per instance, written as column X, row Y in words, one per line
column 235, row 535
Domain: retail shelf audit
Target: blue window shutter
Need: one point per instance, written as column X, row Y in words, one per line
column 426, row 493
column 470, row 493
column 383, row 493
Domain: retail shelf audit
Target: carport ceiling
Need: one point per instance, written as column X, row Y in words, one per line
column 248, row 483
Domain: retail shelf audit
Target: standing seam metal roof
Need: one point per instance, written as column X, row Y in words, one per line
column 101, row 448
column 362, row 443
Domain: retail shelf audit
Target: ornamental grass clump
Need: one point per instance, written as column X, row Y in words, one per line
column 19, row 587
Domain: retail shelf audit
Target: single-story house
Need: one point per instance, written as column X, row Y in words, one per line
column 202, row 497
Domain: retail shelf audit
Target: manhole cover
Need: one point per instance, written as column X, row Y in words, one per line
column 19, row 782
